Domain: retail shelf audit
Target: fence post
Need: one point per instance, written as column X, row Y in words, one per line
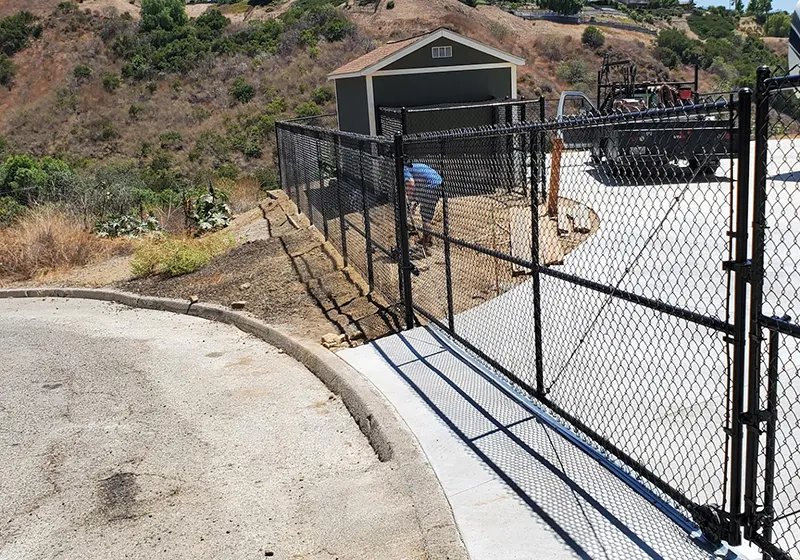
column 769, row 448
column 446, row 234
column 321, row 171
column 541, row 153
column 536, row 281
column 278, row 143
column 756, row 293
column 740, row 270
column 337, row 144
column 402, row 228
column 365, row 211
column 403, row 121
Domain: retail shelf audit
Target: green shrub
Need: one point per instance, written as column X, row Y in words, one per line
column 593, row 37
column 111, row 82
column 322, row 95
column 267, row 178
column 573, row 71
column 82, row 73
column 135, row 110
column 276, row 106
column 171, row 141
column 241, row 91
column 710, row 24
column 227, row 171
column 777, row 25
column 10, row 210
column 177, row 256
column 16, row 31
column 7, row 71
column 307, row 109
column 163, row 15
column 564, row 7
column 390, row 5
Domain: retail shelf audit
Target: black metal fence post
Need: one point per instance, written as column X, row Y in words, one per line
column 446, row 234
column 340, row 206
column 321, row 171
column 404, row 120
column 365, row 212
column 769, row 447
column 536, row 280
column 402, row 228
column 756, row 294
column 278, row 146
column 740, row 269
column 542, row 150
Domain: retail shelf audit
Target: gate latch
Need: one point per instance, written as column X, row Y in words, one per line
column 754, row 419
column 739, row 267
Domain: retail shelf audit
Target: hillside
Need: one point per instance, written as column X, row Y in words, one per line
column 50, row 111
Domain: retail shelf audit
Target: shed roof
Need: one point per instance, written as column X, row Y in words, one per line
column 388, row 53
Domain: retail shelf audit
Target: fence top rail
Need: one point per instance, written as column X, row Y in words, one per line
column 301, row 120
column 453, row 106
column 322, row 132
column 658, row 114
column 781, row 82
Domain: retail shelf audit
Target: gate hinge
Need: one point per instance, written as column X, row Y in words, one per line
column 715, row 523
column 739, row 267
column 754, row 419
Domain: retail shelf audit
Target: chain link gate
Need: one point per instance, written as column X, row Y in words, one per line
column 772, row 493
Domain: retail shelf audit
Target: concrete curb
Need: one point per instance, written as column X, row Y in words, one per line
column 383, row 429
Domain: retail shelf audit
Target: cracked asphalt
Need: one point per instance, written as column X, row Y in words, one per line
column 139, row 434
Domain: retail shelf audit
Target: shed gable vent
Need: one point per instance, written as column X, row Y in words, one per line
column 442, row 52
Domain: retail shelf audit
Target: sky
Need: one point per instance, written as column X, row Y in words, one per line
column 785, row 5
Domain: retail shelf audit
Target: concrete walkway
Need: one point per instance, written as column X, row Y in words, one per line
column 141, row 434
column 519, row 489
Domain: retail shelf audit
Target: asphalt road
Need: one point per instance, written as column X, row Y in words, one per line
column 138, row 434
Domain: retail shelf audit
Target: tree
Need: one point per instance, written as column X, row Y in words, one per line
column 777, row 25
column 593, row 37
column 7, row 70
column 241, row 91
column 163, row 14
column 759, row 9
column 564, row 7
column 739, row 7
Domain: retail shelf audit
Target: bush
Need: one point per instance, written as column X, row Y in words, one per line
column 267, row 178
column 111, row 82
column 46, row 240
column 177, row 256
column 716, row 24
column 564, row 7
column 10, row 210
column 171, row 141
column 241, row 91
column 163, row 15
column 390, row 5
column 593, row 37
column 777, row 25
column 82, row 73
column 126, row 226
column 7, row 71
column 307, row 109
column 322, row 95
column 470, row 3
column 573, row 72
column 16, row 31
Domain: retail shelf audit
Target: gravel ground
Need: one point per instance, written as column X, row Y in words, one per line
column 138, row 434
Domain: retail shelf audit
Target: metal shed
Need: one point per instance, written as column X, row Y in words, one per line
column 439, row 67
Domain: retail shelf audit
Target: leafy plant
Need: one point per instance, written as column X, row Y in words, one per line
column 111, row 82
column 241, row 91
column 171, row 141
column 10, row 210
column 126, row 226
column 390, row 5
column 307, row 109
column 211, row 211
column 163, row 15
column 777, row 25
column 82, row 73
column 322, row 95
column 564, row 7
column 573, row 71
column 16, row 31
column 7, row 71
column 593, row 37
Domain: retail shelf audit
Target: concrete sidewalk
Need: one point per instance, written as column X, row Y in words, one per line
column 518, row 487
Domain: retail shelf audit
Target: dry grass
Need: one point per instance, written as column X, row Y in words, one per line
column 175, row 256
column 47, row 240
column 243, row 194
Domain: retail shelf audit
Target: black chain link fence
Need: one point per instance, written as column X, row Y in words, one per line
column 601, row 264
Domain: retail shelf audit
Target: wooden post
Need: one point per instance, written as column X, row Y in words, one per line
column 555, row 177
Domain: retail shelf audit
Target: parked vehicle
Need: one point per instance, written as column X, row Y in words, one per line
column 699, row 140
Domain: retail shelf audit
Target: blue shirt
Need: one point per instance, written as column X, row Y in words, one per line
column 423, row 175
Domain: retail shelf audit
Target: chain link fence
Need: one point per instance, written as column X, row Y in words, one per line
column 601, row 264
